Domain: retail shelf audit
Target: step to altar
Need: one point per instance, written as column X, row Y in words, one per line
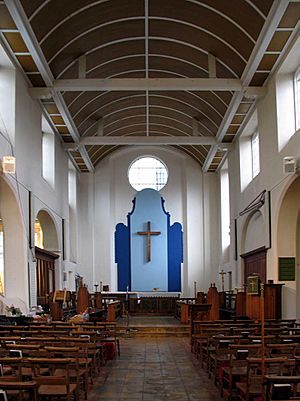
column 153, row 331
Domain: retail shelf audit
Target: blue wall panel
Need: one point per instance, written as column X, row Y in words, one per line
column 154, row 274
column 175, row 257
column 122, row 256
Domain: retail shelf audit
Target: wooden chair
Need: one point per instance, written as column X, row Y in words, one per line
column 78, row 370
column 15, row 386
column 221, row 354
column 203, row 344
column 281, row 349
column 281, row 387
column 109, row 336
column 237, row 369
column 200, row 348
column 253, row 387
column 54, row 386
column 11, row 367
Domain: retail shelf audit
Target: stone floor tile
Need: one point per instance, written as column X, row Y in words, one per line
column 154, row 369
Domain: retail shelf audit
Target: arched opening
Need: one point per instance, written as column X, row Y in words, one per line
column 254, row 246
column 48, row 233
column 46, row 248
column 288, row 245
column 13, row 250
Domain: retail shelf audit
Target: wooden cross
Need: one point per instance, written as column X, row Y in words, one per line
column 148, row 233
column 222, row 273
column 252, row 284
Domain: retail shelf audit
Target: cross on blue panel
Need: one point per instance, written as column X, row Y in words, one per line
column 148, row 251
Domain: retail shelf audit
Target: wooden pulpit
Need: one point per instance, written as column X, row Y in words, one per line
column 83, row 299
column 272, row 303
column 213, row 299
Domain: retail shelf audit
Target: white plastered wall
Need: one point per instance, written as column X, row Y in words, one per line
column 23, row 128
column 273, row 149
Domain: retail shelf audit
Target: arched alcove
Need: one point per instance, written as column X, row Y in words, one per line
column 253, row 232
column 288, row 244
column 14, row 250
column 47, row 254
column 50, row 238
column 253, row 246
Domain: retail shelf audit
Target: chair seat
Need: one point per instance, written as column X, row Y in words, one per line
column 55, row 390
column 255, row 389
column 28, row 371
column 235, row 371
column 7, row 370
column 107, row 339
column 72, row 372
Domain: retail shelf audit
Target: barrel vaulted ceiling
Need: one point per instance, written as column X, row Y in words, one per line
column 181, row 73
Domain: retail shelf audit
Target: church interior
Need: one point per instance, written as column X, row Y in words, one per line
column 149, row 200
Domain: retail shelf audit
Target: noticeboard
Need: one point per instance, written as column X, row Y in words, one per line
column 286, row 268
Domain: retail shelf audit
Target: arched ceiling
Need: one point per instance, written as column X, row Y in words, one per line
column 182, row 73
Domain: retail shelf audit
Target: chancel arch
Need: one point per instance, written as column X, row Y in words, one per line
column 254, row 246
column 288, row 244
column 15, row 273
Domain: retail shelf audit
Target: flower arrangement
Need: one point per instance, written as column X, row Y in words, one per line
column 13, row 310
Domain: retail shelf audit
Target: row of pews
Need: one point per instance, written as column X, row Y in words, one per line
column 248, row 362
column 57, row 360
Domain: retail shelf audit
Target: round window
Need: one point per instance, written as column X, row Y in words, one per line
column 147, row 172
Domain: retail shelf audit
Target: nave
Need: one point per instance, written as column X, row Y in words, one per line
column 154, row 369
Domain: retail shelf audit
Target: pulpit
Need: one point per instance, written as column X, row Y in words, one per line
column 272, row 303
column 82, row 299
column 213, row 299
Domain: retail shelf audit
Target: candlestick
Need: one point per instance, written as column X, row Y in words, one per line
column 195, row 289
column 101, row 286
column 222, row 273
column 230, row 281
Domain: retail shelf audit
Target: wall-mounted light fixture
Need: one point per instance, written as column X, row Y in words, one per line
column 9, row 164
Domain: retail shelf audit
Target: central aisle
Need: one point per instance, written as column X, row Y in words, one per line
column 154, row 369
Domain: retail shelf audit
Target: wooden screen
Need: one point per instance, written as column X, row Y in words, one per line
column 45, row 274
column 255, row 262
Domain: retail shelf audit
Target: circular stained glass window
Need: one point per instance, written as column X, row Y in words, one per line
column 147, row 172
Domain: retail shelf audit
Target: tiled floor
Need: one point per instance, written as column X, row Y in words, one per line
column 154, row 369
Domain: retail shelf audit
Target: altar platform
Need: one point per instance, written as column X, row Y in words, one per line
column 151, row 326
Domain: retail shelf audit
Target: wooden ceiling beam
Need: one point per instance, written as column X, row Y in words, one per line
column 143, row 84
column 149, row 140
